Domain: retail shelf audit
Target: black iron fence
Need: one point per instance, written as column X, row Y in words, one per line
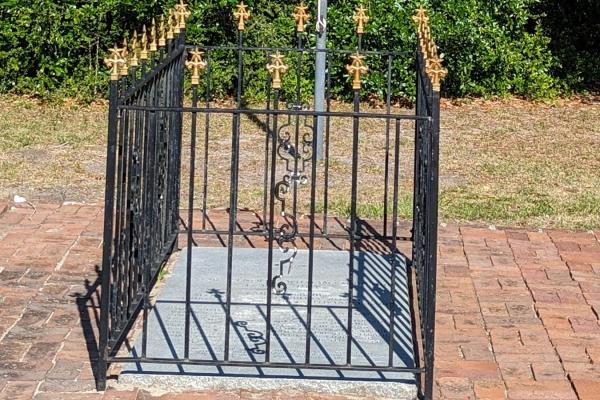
column 144, row 168
column 142, row 181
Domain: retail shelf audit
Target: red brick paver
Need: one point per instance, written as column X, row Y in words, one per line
column 517, row 311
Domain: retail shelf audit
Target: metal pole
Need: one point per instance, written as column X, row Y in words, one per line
column 320, row 71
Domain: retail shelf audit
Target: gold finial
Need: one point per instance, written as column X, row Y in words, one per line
column 182, row 13
column 170, row 25
column 144, row 48
column 162, row 39
column 242, row 14
column 176, row 26
column 124, row 55
column 428, row 47
column 195, row 64
column 277, row 68
column 301, row 17
column 360, row 18
column 153, row 42
column 356, row 69
column 420, row 17
column 133, row 62
column 114, row 61
column 436, row 72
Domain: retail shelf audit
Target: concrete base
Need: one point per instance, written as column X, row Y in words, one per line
column 247, row 338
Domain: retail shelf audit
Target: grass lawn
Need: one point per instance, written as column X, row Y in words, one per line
column 504, row 162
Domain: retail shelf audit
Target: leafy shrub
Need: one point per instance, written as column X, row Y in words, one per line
column 491, row 47
column 573, row 27
column 49, row 46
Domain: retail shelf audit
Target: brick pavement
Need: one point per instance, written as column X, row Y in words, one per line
column 517, row 314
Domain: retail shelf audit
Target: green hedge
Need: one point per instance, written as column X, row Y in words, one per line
column 491, row 47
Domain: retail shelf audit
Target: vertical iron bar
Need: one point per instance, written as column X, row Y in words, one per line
column 126, row 218
column 267, row 138
column 143, row 226
column 387, row 146
column 179, row 73
column 298, row 106
column 235, row 143
column 149, row 208
column 158, row 98
column 311, row 245
column 418, row 96
column 355, row 138
column 111, row 152
column 271, row 226
column 190, row 226
column 135, row 223
column 206, row 131
column 326, row 161
column 394, row 261
column 120, row 179
column 169, row 151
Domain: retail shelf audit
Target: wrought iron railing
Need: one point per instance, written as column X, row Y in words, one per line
column 141, row 220
column 142, row 205
column 425, row 200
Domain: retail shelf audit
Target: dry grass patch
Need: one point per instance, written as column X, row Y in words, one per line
column 504, row 162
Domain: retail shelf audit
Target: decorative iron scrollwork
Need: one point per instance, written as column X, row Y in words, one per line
column 295, row 149
column 277, row 283
column 296, row 158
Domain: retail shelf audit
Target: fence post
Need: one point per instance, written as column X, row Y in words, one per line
column 432, row 223
column 111, row 152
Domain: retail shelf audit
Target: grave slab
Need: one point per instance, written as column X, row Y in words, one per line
column 371, row 301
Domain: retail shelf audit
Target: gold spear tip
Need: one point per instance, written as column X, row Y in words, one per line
column 153, row 41
column 124, row 55
column 162, row 39
column 133, row 62
column 170, row 25
column 144, row 44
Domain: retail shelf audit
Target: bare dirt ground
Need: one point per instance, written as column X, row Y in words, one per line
column 505, row 162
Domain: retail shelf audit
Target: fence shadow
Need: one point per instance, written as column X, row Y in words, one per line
column 88, row 303
column 372, row 299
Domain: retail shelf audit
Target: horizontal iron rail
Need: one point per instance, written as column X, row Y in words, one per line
column 258, row 364
column 255, row 304
column 303, row 49
column 299, row 234
column 252, row 111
